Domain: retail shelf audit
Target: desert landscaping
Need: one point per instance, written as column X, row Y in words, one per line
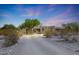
column 39, row 29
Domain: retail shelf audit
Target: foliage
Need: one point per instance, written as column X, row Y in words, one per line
column 70, row 30
column 29, row 24
column 11, row 36
column 9, row 26
column 48, row 32
column 72, row 27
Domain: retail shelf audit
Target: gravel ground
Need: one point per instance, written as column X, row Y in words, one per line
column 41, row 46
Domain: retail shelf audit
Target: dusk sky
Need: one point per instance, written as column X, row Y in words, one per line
column 47, row 14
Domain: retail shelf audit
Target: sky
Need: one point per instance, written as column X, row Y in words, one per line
column 47, row 14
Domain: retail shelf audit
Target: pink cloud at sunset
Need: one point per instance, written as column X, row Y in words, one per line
column 32, row 12
column 60, row 19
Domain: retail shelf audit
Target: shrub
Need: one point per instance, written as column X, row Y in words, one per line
column 48, row 33
column 70, row 32
column 11, row 36
column 21, row 32
column 70, row 37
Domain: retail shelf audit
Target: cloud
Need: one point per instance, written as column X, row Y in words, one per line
column 34, row 13
column 51, row 7
column 60, row 19
column 18, row 7
column 4, row 15
column 31, row 12
column 57, row 22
